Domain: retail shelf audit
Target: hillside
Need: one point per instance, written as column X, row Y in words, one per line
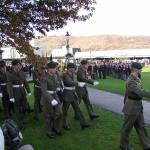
column 102, row 42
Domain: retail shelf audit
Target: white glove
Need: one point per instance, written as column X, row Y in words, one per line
column 96, row 83
column 54, row 102
column 12, row 100
column 29, row 94
column 58, row 89
column 20, row 136
column 81, row 84
column 1, row 95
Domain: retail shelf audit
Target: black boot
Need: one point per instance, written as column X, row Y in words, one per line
column 92, row 117
column 51, row 135
column 59, row 133
column 67, row 128
column 84, row 126
column 127, row 148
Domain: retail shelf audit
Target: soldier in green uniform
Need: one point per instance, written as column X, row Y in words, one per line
column 37, row 91
column 133, row 110
column 5, row 97
column 70, row 96
column 16, row 85
column 50, row 101
column 82, row 92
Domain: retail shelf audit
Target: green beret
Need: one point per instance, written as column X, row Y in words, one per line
column 51, row 64
column 136, row 65
column 57, row 63
column 84, row 62
column 2, row 63
column 71, row 65
column 15, row 62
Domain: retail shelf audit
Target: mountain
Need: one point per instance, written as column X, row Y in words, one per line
column 101, row 42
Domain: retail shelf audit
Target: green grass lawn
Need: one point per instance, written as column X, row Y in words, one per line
column 118, row 86
column 103, row 134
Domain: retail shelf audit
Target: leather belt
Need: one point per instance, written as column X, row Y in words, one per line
column 134, row 98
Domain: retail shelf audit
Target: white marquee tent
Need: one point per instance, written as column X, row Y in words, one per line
column 136, row 53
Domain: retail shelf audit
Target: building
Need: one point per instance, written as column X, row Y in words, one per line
column 11, row 53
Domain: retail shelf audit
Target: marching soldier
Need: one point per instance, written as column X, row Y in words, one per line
column 70, row 96
column 133, row 110
column 82, row 92
column 50, row 101
column 37, row 91
column 5, row 97
column 16, row 85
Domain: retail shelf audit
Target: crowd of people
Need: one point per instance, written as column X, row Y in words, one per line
column 102, row 69
column 55, row 91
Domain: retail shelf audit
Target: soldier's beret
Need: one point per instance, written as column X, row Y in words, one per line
column 57, row 63
column 136, row 65
column 51, row 64
column 71, row 65
column 84, row 62
column 2, row 63
column 15, row 62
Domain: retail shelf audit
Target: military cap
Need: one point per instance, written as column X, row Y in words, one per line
column 57, row 63
column 71, row 65
column 136, row 65
column 2, row 63
column 15, row 62
column 51, row 64
column 84, row 62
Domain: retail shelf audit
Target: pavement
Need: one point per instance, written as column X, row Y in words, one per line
column 114, row 102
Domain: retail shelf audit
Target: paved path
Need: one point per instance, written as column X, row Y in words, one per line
column 114, row 102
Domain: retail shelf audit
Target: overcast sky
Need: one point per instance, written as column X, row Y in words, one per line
column 121, row 17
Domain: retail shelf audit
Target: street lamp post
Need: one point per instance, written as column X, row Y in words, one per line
column 68, row 55
column 67, row 41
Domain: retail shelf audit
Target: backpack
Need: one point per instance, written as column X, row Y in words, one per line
column 12, row 134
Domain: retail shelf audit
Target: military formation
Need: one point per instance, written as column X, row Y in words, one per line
column 55, row 91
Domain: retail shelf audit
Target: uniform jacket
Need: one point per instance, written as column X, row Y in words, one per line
column 59, row 80
column 17, row 78
column 82, row 76
column 48, row 83
column 69, row 80
column 36, row 77
column 134, row 94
